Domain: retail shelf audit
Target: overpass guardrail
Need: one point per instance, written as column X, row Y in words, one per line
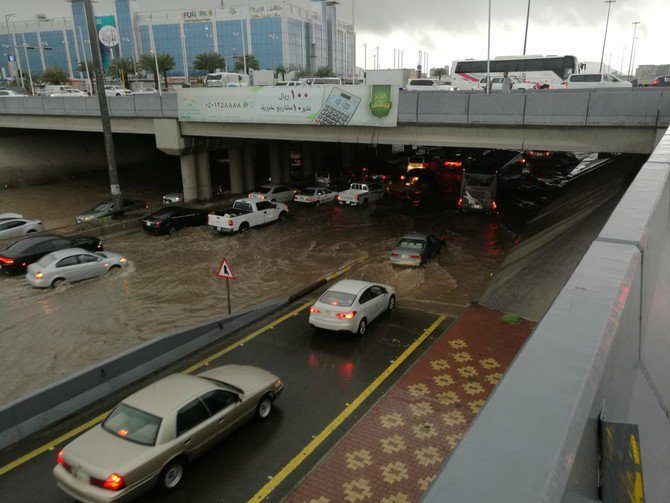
column 637, row 107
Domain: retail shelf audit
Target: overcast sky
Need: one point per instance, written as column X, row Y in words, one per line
column 456, row 29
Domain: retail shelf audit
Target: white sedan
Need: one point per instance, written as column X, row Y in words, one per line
column 273, row 193
column 13, row 225
column 315, row 195
column 350, row 305
column 69, row 93
column 72, row 265
column 111, row 90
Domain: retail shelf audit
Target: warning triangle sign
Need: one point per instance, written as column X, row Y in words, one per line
column 225, row 272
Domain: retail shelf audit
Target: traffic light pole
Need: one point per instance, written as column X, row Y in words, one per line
column 117, row 198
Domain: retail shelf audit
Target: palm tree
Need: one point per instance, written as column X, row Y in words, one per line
column 252, row 63
column 439, row 73
column 121, row 67
column 280, row 70
column 81, row 66
column 165, row 64
column 324, row 71
column 53, row 75
column 209, row 62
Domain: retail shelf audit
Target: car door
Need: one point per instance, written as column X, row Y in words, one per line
column 283, row 194
column 379, row 299
column 194, row 427
column 12, row 229
column 227, row 413
column 92, row 266
column 367, row 305
column 69, row 269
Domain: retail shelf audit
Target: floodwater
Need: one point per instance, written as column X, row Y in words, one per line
column 171, row 282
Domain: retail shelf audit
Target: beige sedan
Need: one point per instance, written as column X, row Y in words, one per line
column 150, row 436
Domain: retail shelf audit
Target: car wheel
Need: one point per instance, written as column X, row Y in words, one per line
column 114, row 269
column 391, row 303
column 58, row 281
column 171, row 475
column 318, row 204
column 31, row 231
column 171, row 230
column 362, row 328
column 264, row 407
column 243, row 228
column 364, row 203
column 282, row 216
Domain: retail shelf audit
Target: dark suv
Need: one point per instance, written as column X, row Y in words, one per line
column 663, row 81
column 16, row 258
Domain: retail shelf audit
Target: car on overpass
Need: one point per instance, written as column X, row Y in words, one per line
column 113, row 90
column 148, row 439
column 18, row 256
column 72, row 265
column 594, row 81
column 8, row 93
column 15, row 225
column 106, row 209
column 661, row 81
column 424, row 85
column 350, row 305
column 497, row 83
column 172, row 218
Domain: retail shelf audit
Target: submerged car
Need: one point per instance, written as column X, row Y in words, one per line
column 106, row 208
column 15, row 226
column 315, row 196
column 72, row 265
column 273, row 193
column 171, row 219
column 17, row 256
column 149, row 438
column 350, row 305
column 416, row 249
column 173, row 197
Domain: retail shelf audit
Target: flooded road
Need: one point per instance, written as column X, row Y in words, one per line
column 171, row 283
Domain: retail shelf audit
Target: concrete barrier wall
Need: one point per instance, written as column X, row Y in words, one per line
column 648, row 107
column 602, row 351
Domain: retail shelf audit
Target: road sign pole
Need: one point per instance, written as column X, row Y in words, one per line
column 228, row 293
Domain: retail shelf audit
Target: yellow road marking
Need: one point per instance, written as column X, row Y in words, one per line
column 89, row 424
column 318, row 440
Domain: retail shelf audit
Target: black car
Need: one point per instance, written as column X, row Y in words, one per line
column 16, row 257
column 172, row 218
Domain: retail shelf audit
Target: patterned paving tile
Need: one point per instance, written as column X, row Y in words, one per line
column 394, row 452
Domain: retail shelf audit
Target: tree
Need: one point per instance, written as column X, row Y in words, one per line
column 209, row 62
column 439, row 72
column 121, row 68
column 165, row 64
column 301, row 74
column 324, row 71
column 280, row 70
column 81, row 66
column 252, row 63
column 53, row 75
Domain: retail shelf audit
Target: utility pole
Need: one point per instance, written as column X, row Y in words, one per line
column 244, row 46
column 632, row 66
column 153, row 49
column 16, row 55
column 623, row 55
column 609, row 8
column 488, row 56
column 378, row 64
column 632, row 47
column 89, row 82
column 365, row 56
column 525, row 37
column 30, row 75
column 115, row 188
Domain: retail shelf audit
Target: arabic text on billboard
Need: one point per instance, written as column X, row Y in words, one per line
column 374, row 106
column 265, row 11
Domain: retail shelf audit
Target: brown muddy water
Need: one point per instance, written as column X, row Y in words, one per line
column 171, row 282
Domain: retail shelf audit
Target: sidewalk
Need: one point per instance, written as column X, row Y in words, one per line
column 394, row 452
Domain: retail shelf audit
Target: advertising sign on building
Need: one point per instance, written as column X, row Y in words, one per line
column 265, row 11
column 373, row 106
column 108, row 35
column 197, row 15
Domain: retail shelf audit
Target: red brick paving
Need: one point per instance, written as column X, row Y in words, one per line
column 393, row 453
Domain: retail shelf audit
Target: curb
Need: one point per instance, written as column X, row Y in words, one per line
column 63, row 398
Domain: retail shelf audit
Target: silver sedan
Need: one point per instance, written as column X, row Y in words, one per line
column 13, row 226
column 71, row 265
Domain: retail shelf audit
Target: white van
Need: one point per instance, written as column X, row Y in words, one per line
column 56, row 89
column 223, row 79
column 594, row 81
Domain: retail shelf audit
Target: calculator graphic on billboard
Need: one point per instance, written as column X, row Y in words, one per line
column 338, row 110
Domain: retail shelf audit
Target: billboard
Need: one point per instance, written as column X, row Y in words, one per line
column 331, row 105
column 108, row 37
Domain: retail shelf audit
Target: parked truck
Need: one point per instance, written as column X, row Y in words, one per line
column 245, row 214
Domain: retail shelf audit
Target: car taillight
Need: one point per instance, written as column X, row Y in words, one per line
column 654, row 82
column 424, row 165
column 39, row 275
column 337, row 197
column 494, row 206
column 158, row 223
column 403, row 177
column 346, row 316
column 7, row 260
column 396, row 255
column 460, row 201
column 415, row 256
column 356, row 197
column 114, row 482
column 314, row 310
column 453, row 164
column 230, row 222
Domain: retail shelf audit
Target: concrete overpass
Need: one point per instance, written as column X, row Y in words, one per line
column 603, row 120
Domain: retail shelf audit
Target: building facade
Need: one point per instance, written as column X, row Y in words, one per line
column 303, row 35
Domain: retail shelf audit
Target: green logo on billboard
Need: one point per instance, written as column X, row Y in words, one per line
column 381, row 104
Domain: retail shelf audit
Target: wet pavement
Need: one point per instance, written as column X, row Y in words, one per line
column 171, row 283
column 316, row 367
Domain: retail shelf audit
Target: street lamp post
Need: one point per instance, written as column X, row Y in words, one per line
column 244, row 47
column 609, row 8
column 115, row 188
column 378, row 64
column 488, row 55
column 30, row 74
column 14, row 48
column 153, row 50
column 632, row 66
column 89, row 83
column 632, row 47
column 365, row 56
column 525, row 37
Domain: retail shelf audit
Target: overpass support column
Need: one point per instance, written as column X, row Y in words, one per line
column 189, row 180
column 204, row 176
column 275, row 162
column 307, row 158
column 235, row 159
column 249, row 168
column 347, row 156
column 285, row 152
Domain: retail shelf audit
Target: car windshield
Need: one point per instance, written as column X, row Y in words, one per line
column 102, row 207
column 133, row 424
column 263, row 190
column 46, row 260
column 358, row 186
column 338, row 298
column 21, row 246
column 472, row 180
column 416, row 244
column 322, row 174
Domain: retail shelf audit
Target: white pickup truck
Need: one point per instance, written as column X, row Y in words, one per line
column 360, row 194
column 245, row 214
